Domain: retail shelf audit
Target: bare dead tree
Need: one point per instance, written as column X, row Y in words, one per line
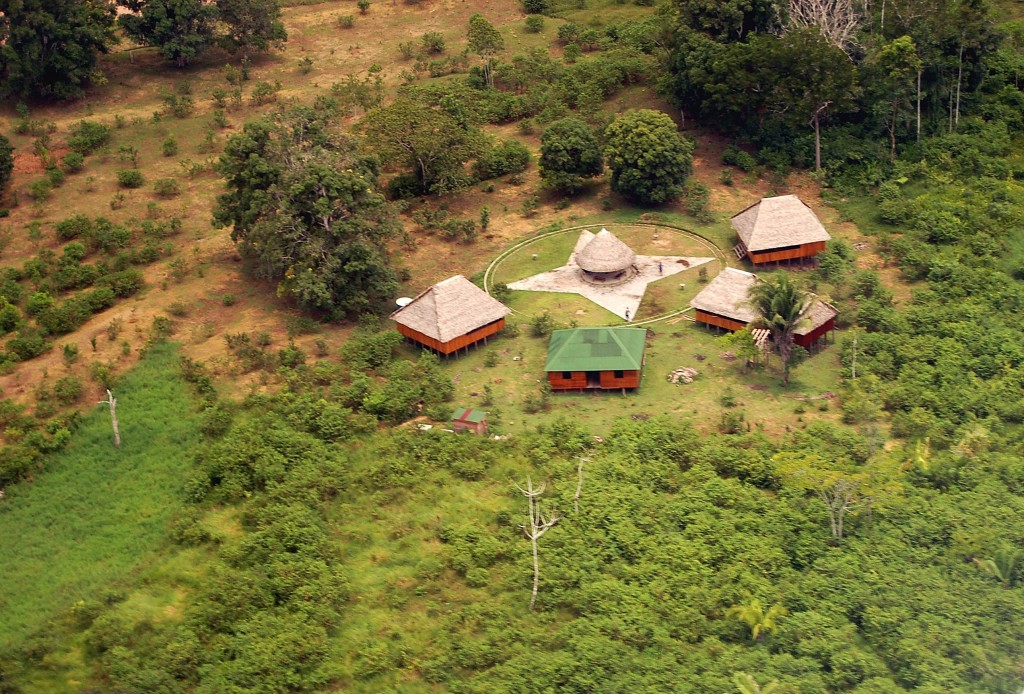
column 837, row 20
column 579, row 484
column 537, row 527
column 112, row 402
column 841, row 497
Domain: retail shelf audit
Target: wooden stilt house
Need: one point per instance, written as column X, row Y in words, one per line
column 596, row 358
column 777, row 229
column 450, row 316
column 725, row 303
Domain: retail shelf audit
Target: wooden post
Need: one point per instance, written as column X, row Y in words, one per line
column 112, row 402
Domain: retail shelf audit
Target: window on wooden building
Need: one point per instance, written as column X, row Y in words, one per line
column 618, row 374
column 567, row 375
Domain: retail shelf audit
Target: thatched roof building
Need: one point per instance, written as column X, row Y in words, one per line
column 605, row 257
column 725, row 303
column 451, row 315
column 779, row 228
column 728, row 296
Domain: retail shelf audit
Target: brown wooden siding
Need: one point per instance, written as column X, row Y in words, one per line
column 578, row 381
column 719, row 321
column 809, row 339
column 456, row 344
column 807, row 250
column 630, row 379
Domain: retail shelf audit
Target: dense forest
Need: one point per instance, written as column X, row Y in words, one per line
column 304, row 537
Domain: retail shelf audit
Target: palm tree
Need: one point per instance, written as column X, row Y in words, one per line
column 746, row 684
column 1002, row 566
column 780, row 305
column 759, row 620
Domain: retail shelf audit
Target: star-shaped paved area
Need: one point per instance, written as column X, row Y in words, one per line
column 622, row 299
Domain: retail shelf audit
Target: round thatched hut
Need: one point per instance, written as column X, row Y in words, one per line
column 605, row 259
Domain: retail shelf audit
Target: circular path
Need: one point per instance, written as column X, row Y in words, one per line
column 712, row 249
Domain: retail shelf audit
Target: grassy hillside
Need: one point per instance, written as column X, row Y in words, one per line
column 96, row 515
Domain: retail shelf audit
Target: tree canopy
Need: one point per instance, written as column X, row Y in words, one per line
column 6, row 162
column 251, row 24
column 432, row 142
column 48, row 48
column 305, row 210
column 180, row 29
column 569, row 155
column 649, row 160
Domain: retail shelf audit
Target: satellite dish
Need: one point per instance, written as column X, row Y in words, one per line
column 403, row 302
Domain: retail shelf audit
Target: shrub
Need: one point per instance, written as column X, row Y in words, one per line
column 534, row 24
column 40, row 189
column 433, row 42
column 124, row 283
column 510, row 156
column 67, row 389
column 568, row 33
column 73, row 161
column 167, row 187
column 345, row 21
column 27, row 344
column 169, row 146
column 542, row 324
column 179, row 105
column 56, row 176
column 363, row 5
column 88, row 136
column 265, row 92
column 535, row 7
column 130, row 178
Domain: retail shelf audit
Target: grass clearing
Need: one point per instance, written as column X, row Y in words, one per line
column 97, row 513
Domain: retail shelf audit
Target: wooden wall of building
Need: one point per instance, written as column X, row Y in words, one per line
column 629, row 379
column 718, row 321
column 456, row 344
column 578, row 380
column 807, row 250
column 810, row 338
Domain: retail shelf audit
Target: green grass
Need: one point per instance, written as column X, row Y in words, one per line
column 95, row 515
column 766, row 405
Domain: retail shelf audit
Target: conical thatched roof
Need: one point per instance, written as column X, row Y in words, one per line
column 727, row 295
column 450, row 309
column 605, row 253
column 778, row 222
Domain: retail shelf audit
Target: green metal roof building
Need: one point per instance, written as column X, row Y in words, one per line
column 609, row 358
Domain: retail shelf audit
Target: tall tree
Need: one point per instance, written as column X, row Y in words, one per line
column 836, row 20
column 6, row 162
column 180, row 29
column 892, row 73
column 486, row 42
column 433, row 142
column 780, row 304
column 251, row 24
column 730, row 20
column 305, row 210
column 648, row 158
column 814, row 77
column 569, row 155
column 48, row 48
